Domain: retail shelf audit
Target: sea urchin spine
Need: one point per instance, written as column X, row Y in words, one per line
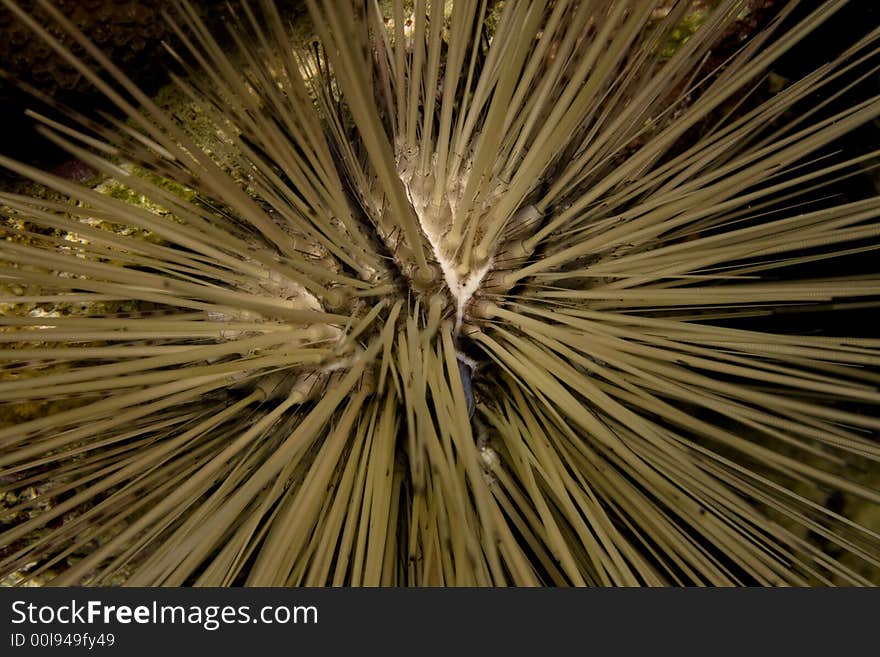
column 455, row 293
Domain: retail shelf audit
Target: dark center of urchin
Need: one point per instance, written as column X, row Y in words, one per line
column 445, row 291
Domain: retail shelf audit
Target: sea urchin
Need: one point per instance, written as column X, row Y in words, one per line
column 455, row 293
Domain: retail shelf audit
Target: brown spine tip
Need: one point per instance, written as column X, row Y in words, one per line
column 335, row 299
column 482, row 309
column 424, row 277
column 518, row 250
column 469, row 330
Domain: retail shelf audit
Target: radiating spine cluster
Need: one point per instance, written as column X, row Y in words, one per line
column 453, row 294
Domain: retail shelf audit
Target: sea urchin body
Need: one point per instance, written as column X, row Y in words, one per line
column 460, row 293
